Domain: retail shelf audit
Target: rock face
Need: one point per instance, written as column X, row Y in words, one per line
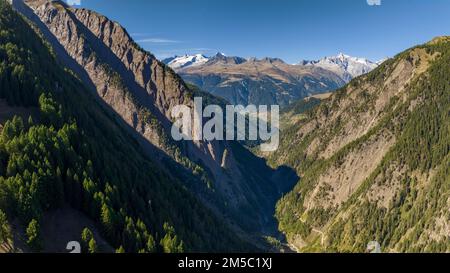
column 261, row 82
column 142, row 91
column 365, row 176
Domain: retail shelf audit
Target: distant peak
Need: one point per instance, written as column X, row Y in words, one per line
column 273, row 60
column 179, row 62
column 220, row 54
column 348, row 67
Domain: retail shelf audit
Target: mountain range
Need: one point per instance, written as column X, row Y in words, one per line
column 86, row 151
column 347, row 67
column 269, row 80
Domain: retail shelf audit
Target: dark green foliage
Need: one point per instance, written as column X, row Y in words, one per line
column 301, row 106
column 89, row 244
column 92, row 246
column 170, row 242
column 5, row 231
column 34, row 240
column 120, row 250
column 74, row 152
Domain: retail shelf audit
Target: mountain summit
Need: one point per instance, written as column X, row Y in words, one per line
column 347, row 67
column 179, row 62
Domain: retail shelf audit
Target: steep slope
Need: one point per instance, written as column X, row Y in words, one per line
column 260, row 82
column 74, row 151
column 374, row 160
column 142, row 92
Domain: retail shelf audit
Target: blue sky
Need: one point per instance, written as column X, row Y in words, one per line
column 288, row 29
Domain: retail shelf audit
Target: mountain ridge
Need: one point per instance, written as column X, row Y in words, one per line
column 346, row 66
column 73, row 151
column 270, row 80
column 370, row 158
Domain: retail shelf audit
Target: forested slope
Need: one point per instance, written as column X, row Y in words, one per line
column 142, row 92
column 73, row 151
column 374, row 160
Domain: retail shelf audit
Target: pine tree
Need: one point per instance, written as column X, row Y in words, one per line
column 151, row 244
column 92, row 246
column 120, row 250
column 170, row 242
column 5, row 231
column 34, row 237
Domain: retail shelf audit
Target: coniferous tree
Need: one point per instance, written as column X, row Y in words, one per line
column 5, row 230
column 34, row 236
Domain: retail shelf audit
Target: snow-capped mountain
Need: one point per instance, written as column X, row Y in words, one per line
column 268, row 80
column 347, row 67
column 179, row 62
